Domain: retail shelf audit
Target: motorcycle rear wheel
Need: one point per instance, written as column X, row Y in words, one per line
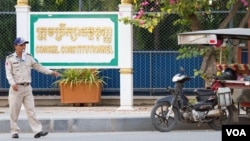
column 224, row 119
column 159, row 119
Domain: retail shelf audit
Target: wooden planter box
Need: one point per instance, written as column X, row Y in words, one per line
column 84, row 93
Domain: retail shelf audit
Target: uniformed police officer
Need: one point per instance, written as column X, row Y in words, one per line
column 18, row 67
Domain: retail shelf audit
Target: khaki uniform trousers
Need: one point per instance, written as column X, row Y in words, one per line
column 23, row 96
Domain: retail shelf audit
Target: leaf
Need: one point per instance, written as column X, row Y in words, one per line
column 154, row 21
column 150, row 29
column 169, row 11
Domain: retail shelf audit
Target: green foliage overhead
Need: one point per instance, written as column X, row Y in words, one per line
column 151, row 12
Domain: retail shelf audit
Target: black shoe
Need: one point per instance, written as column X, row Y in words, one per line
column 15, row 136
column 38, row 135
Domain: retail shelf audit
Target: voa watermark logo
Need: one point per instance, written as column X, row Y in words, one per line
column 241, row 132
column 236, row 132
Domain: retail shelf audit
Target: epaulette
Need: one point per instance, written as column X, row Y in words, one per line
column 10, row 55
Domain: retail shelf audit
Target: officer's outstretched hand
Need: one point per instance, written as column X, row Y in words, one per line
column 55, row 73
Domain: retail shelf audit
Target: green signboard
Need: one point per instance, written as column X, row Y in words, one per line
column 75, row 40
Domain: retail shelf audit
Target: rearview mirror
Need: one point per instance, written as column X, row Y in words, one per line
column 182, row 69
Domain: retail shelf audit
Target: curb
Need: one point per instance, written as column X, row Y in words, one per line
column 94, row 119
column 116, row 124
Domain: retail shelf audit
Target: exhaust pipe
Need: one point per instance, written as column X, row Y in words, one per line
column 214, row 113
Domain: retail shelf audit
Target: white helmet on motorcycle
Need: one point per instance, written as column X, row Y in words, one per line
column 178, row 77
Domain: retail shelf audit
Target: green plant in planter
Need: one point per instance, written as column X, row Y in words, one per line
column 75, row 77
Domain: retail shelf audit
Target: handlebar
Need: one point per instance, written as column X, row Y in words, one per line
column 189, row 77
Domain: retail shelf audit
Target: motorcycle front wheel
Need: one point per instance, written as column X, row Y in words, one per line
column 225, row 118
column 160, row 119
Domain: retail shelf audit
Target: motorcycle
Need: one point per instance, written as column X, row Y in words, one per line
column 212, row 106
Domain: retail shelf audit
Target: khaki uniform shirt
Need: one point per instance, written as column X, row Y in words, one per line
column 19, row 70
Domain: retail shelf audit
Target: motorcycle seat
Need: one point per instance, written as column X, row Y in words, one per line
column 206, row 92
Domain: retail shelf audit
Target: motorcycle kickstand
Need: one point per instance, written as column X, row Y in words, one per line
column 199, row 124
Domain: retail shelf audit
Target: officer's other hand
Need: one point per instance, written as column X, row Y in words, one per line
column 15, row 87
column 55, row 73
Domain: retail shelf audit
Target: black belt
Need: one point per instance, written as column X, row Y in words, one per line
column 24, row 84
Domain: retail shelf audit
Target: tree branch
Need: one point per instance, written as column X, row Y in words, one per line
column 236, row 41
column 230, row 15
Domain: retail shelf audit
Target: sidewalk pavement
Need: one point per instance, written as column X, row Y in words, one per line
column 89, row 119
